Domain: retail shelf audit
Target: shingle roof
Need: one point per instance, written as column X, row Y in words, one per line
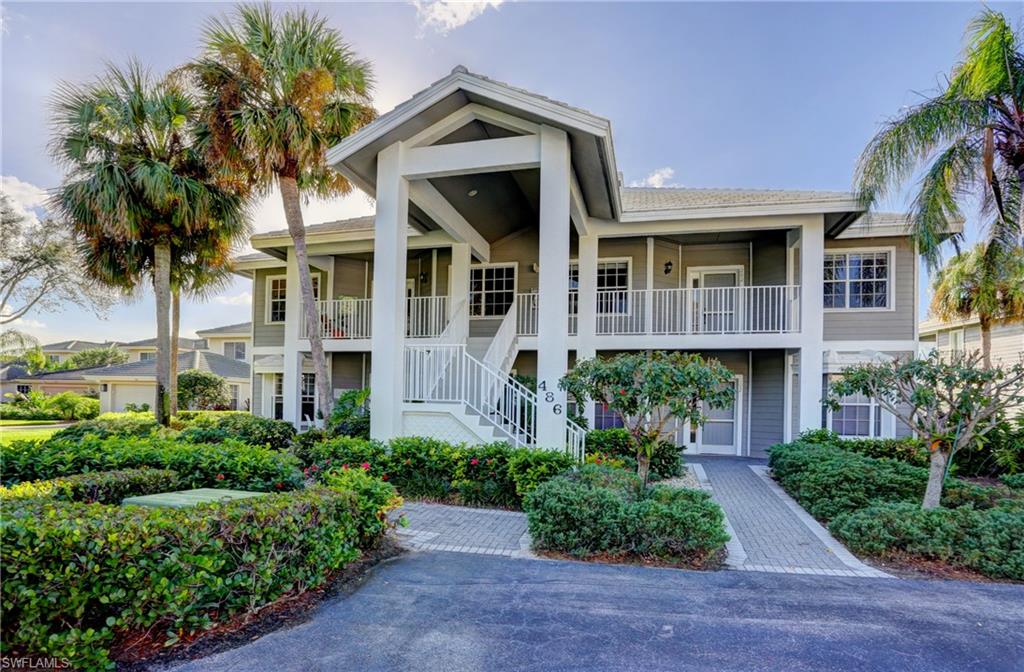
column 338, row 226
column 65, row 374
column 183, row 343
column 77, row 346
column 256, row 256
column 12, row 371
column 240, row 328
column 647, row 199
column 226, row 367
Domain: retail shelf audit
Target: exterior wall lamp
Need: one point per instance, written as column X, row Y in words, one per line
column 668, row 267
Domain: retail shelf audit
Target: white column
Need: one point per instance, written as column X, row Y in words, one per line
column 586, row 319
column 292, row 357
column 458, row 291
column 649, row 292
column 553, row 298
column 812, row 333
column 389, row 261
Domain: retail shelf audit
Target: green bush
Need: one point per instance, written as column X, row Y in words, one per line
column 481, row 475
column 225, row 465
column 74, row 574
column 1013, row 481
column 38, row 406
column 351, row 415
column 111, row 424
column 990, row 541
column 252, row 429
column 374, row 498
column 530, row 468
column 104, row 487
column 619, row 443
column 421, row 467
column 343, row 451
column 600, row 510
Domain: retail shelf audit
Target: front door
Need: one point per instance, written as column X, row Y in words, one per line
column 715, row 301
column 721, row 433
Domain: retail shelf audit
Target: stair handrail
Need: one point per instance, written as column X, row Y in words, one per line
column 502, row 345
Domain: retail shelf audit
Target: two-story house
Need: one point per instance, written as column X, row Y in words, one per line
column 504, row 242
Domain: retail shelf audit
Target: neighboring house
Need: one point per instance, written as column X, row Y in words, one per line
column 55, row 382
column 233, row 340
column 504, row 242
column 135, row 382
column 60, row 352
column 965, row 336
column 145, row 350
column 9, row 385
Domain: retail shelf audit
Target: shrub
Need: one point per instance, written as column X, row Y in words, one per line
column 601, row 510
column 202, row 390
column 909, row 450
column 990, row 541
column 104, row 487
column 1013, row 481
column 343, row 451
column 111, row 424
column 74, row 574
column 37, row 406
column 351, row 415
column 610, row 461
column 421, row 467
column 666, row 462
column 530, row 468
column 481, row 475
column 226, row 465
column 244, row 427
column 374, row 498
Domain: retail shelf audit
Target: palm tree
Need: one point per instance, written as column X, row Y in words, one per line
column 281, row 89
column 986, row 281
column 136, row 186
column 969, row 140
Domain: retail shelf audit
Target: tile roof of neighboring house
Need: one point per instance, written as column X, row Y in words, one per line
column 225, row 367
column 647, row 199
column 240, row 328
column 12, row 371
column 183, row 343
column 77, row 346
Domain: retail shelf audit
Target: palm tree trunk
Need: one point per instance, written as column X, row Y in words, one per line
column 175, row 330
column 293, row 215
column 162, row 290
column 986, row 341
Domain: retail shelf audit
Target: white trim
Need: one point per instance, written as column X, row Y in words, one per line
column 266, row 298
column 698, row 272
column 787, row 398
column 739, row 435
column 466, row 115
column 890, row 281
column 496, row 264
column 962, row 331
column 575, row 261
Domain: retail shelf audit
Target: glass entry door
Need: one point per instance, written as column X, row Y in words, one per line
column 715, row 300
column 721, row 433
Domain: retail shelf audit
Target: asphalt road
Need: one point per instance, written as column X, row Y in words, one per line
column 446, row 611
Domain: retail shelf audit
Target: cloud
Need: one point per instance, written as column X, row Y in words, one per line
column 28, row 199
column 240, row 299
column 657, row 178
column 26, row 323
column 444, row 16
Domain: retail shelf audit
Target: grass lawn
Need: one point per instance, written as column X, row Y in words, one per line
column 9, row 435
column 4, row 422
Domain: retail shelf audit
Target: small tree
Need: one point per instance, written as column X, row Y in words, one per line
column 949, row 401
column 202, row 391
column 646, row 391
column 93, row 357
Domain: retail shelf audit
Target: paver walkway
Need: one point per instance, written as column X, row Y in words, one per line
column 438, row 527
column 771, row 532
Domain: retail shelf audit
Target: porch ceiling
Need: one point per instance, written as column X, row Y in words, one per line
column 503, row 202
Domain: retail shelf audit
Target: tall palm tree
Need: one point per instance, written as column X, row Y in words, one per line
column 986, row 281
column 280, row 90
column 969, row 141
column 135, row 185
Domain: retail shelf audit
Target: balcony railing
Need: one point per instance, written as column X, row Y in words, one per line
column 771, row 309
column 348, row 319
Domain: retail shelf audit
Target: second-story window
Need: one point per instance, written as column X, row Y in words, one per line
column 235, row 350
column 612, row 286
column 956, row 341
column 858, row 280
column 147, row 356
column 491, row 290
column 277, row 290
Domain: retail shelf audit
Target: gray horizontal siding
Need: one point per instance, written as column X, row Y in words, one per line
column 264, row 334
column 896, row 324
column 767, row 400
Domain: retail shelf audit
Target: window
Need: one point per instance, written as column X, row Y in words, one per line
column 234, row 397
column 23, row 389
column 277, row 398
column 235, row 350
column 104, row 387
column 956, row 340
column 612, row 285
column 858, row 280
column 857, row 417
column 491, row 290
column 308, row 397
column 606, row 418
column 277, row 287
column 54, row 359
column 147, row 356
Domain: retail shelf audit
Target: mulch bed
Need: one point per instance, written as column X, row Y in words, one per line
column 135, row 652
column 912, row 567
column 712, row 563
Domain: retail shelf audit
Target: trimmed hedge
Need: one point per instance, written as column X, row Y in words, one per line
column 111, row 424
column 910, row 450
column 218, row 426
column 488, row 475
column 223, row 465
column 103, row 487
column 666, row 462
column 600, row 510
column 75, row 574
column 1014, row 481
column 990, row 541
column 374, row 498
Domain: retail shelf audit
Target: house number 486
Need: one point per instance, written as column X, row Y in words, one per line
column 549, row 397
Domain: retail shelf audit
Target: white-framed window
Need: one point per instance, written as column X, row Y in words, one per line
column 956, row 341
column 606, row 418
column 613, row 283
column 308, row 398
column 234, row 397
column 277, row 398
column 859, row 279
column 147, row 356
column 235, row 350
column 54, row 359
column 23, row 389
column 277, row 291
column 492, row 288
column 858, row 417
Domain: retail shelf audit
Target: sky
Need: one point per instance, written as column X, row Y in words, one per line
column 761, row 95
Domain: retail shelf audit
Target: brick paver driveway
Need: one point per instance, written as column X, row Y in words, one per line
column 439, row 527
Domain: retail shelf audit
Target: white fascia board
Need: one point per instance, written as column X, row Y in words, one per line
column 467, row 114
column 609, row 229
column 438, row 238
column 810, row 208
column 466, row 158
